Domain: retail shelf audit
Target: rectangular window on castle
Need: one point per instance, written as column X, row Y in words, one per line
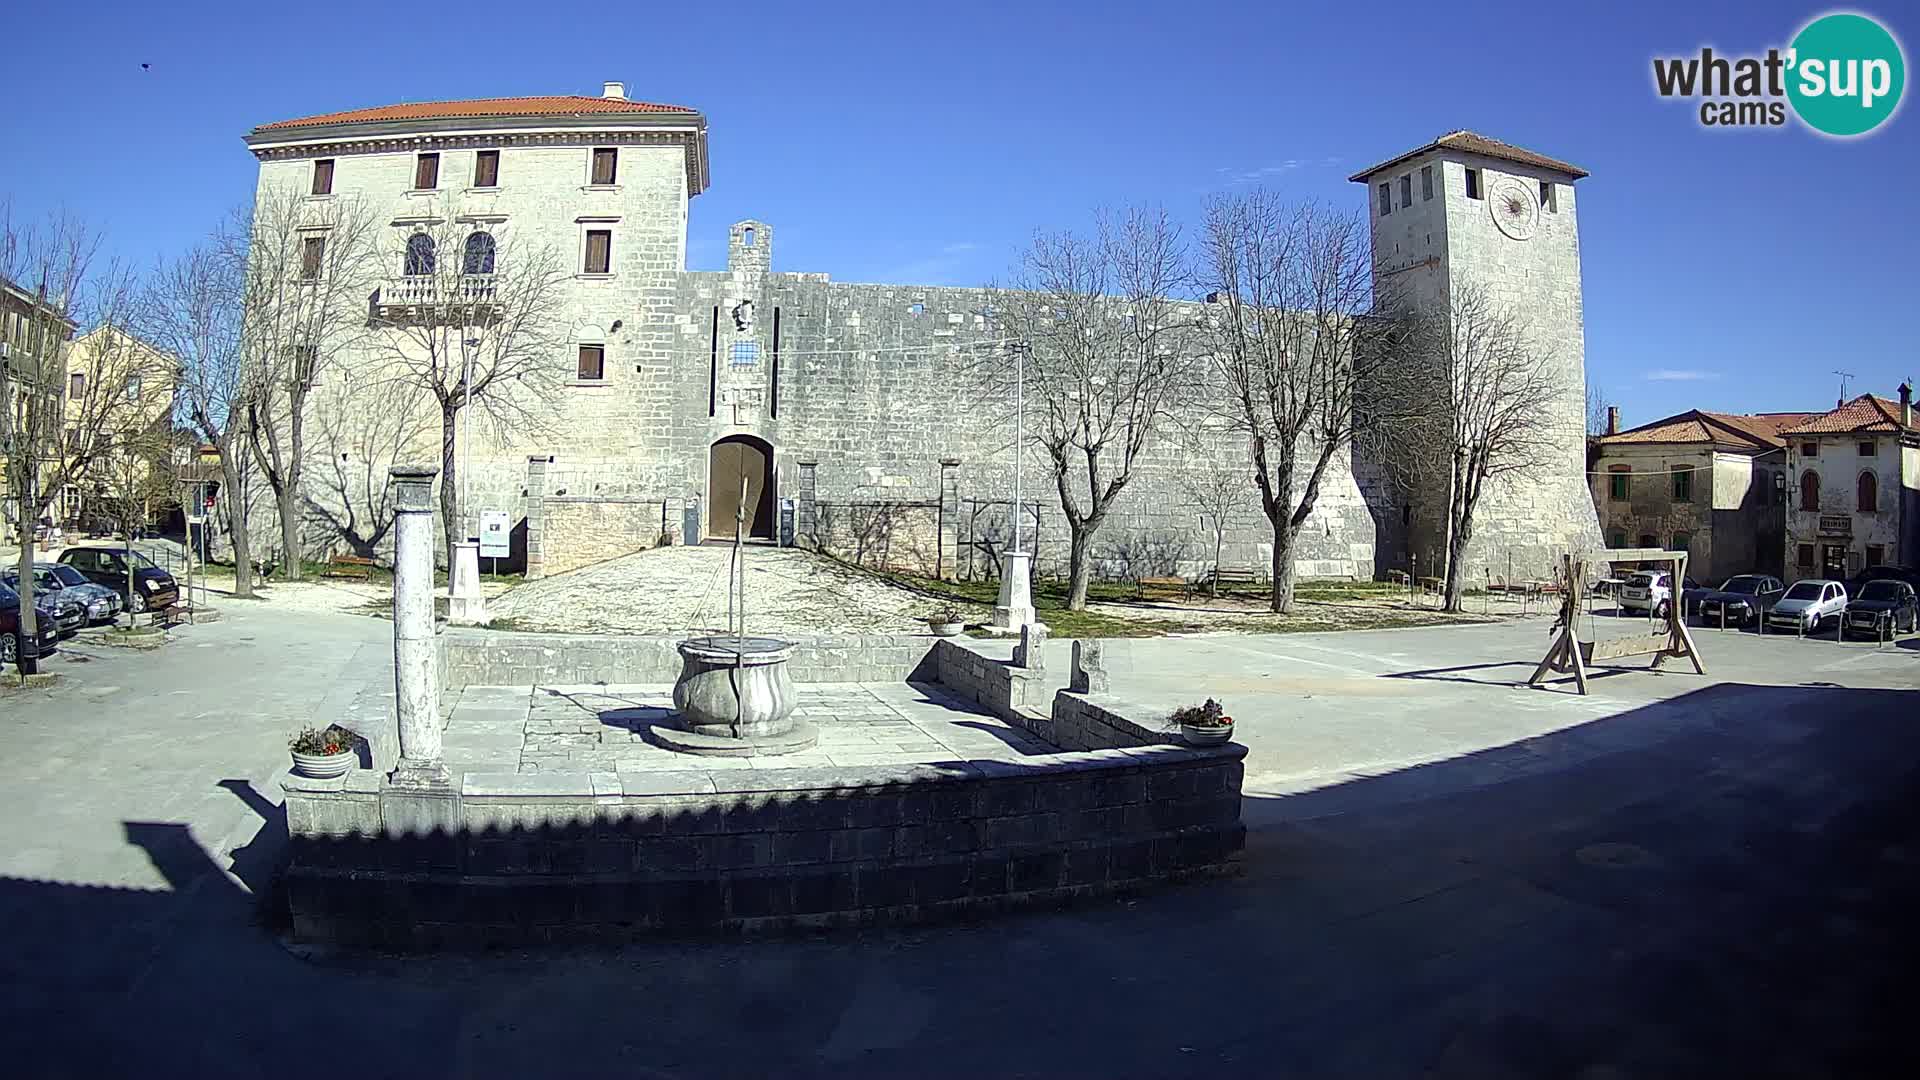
column 426, row 172
column 313, row 254
column 593, row 363
column 1546, row 197
column 486, row 168
column 1473, row 183
column 1406, row 191
column 77, row 385
column 605, row 165
column 745, row 353
column 1426, row 182
column 323, row 176
column 599, row 251
column 1386, row 199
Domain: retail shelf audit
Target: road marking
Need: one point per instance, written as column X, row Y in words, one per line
column 1297, row 659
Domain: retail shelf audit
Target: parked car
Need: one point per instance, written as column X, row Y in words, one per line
column 1744, row 597
column 1808, row 603
column 1652, row 590
column 152, row 587
column 100, row 602
column 45, row 631
column 1883, row 604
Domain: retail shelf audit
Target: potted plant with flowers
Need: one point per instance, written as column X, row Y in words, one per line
column 324, row 753
column 1203, row 725
column 946, row 622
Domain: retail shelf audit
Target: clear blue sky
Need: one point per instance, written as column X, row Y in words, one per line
column 895, row 142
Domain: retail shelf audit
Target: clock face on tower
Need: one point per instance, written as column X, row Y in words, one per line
column 1514, row 208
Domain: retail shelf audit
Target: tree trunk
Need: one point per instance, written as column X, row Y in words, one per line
column 1283, row 534
column 1219, row 539
column 448, row 487
column 29, row 623
column 1456, row 557
column 237, row 524
column 286, row 500
column 1079, row 566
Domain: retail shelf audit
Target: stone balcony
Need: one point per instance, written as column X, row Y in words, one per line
column 412, row 293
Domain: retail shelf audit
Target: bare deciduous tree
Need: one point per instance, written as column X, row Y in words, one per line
column 473, row 320
column 62, row 418
column 1220, row 491
column 1288, row 330
column 366, row 429
column 1109, row 350
column 1497, row 396
column 1598, row 408
column 310, row 268
column 192, row 310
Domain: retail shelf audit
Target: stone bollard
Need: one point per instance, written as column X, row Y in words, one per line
column 1089, row 673
column 466, row 602
column 1028, row 654
column 1014, row 609
column 415, row 675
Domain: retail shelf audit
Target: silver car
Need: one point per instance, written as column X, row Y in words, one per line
column 99, row 603
column 1807, row 604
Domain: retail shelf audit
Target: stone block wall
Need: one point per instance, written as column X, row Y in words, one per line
column 554, row 858
column 471, row 657
column 586, row 530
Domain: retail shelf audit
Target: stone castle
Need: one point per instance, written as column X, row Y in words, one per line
column 839, row 405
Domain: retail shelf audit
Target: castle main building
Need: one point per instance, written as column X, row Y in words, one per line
column 842, row 404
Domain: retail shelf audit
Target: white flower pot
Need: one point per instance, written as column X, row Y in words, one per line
column 946, row 629
column 324, row 766
column 1206, row 736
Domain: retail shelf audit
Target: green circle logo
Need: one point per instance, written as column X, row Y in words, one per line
column 1846, row 74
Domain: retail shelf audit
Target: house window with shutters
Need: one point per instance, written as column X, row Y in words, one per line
column 486, row 168
column 323, row 176
column 1803, row 557
column 1619, row 482
column 606, row 162
column 426, row 172
column 593, row 363
column 1809, row 490
column 1866, row 493
column 77, row 385
column 1683, row 483
column 313, row 255
column 1426, row 182
column 1406, row 190
column 599, row 258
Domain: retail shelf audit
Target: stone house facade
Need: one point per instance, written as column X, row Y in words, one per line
column 1711, row 484
column 840, row 415
column 1854, row 488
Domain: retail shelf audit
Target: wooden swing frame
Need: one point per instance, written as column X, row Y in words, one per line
column 1570, row 654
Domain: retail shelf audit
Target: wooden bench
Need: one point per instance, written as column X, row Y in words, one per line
column 1226, row 575
column 348, row 566
column 1152, row 587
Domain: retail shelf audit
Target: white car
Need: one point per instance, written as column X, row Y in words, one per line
column 1651, row 590
column 1807, row 604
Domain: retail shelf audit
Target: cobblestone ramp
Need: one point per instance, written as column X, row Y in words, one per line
column 677, row 589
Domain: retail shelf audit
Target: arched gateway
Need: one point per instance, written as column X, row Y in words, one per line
column 740, row 469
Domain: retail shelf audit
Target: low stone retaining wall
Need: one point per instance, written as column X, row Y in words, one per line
column 598, row 856
column 495, row 658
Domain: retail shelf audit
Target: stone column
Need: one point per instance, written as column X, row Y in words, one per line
column 415, row 675
column 1014, row 609
column 536, row 516
column 949, row 518
column 466, row 604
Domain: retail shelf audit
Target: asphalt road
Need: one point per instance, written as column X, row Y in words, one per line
column 1691, row 877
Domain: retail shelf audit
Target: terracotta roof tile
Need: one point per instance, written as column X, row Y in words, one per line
column 1867, row 412
column 1473, row 142
column 1758, row 430
column 480, row 108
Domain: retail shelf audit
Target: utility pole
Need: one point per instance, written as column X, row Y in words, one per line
column 1019, row 434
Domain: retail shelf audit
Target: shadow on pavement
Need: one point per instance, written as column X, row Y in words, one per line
column 1719, row 884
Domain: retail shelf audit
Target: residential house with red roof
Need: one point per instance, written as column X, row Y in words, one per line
column 1711, row 484
column 1855, row 485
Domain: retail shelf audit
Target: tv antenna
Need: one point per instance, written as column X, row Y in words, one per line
column 1844, row 376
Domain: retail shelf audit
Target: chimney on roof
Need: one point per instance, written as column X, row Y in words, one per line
column 1613, row 419
column 616, row 90
column 1906, row 404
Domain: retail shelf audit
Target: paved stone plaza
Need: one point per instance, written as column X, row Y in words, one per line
column 545, row 729
column 1677, row 876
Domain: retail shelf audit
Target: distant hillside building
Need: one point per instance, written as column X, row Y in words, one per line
column 844, row 403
